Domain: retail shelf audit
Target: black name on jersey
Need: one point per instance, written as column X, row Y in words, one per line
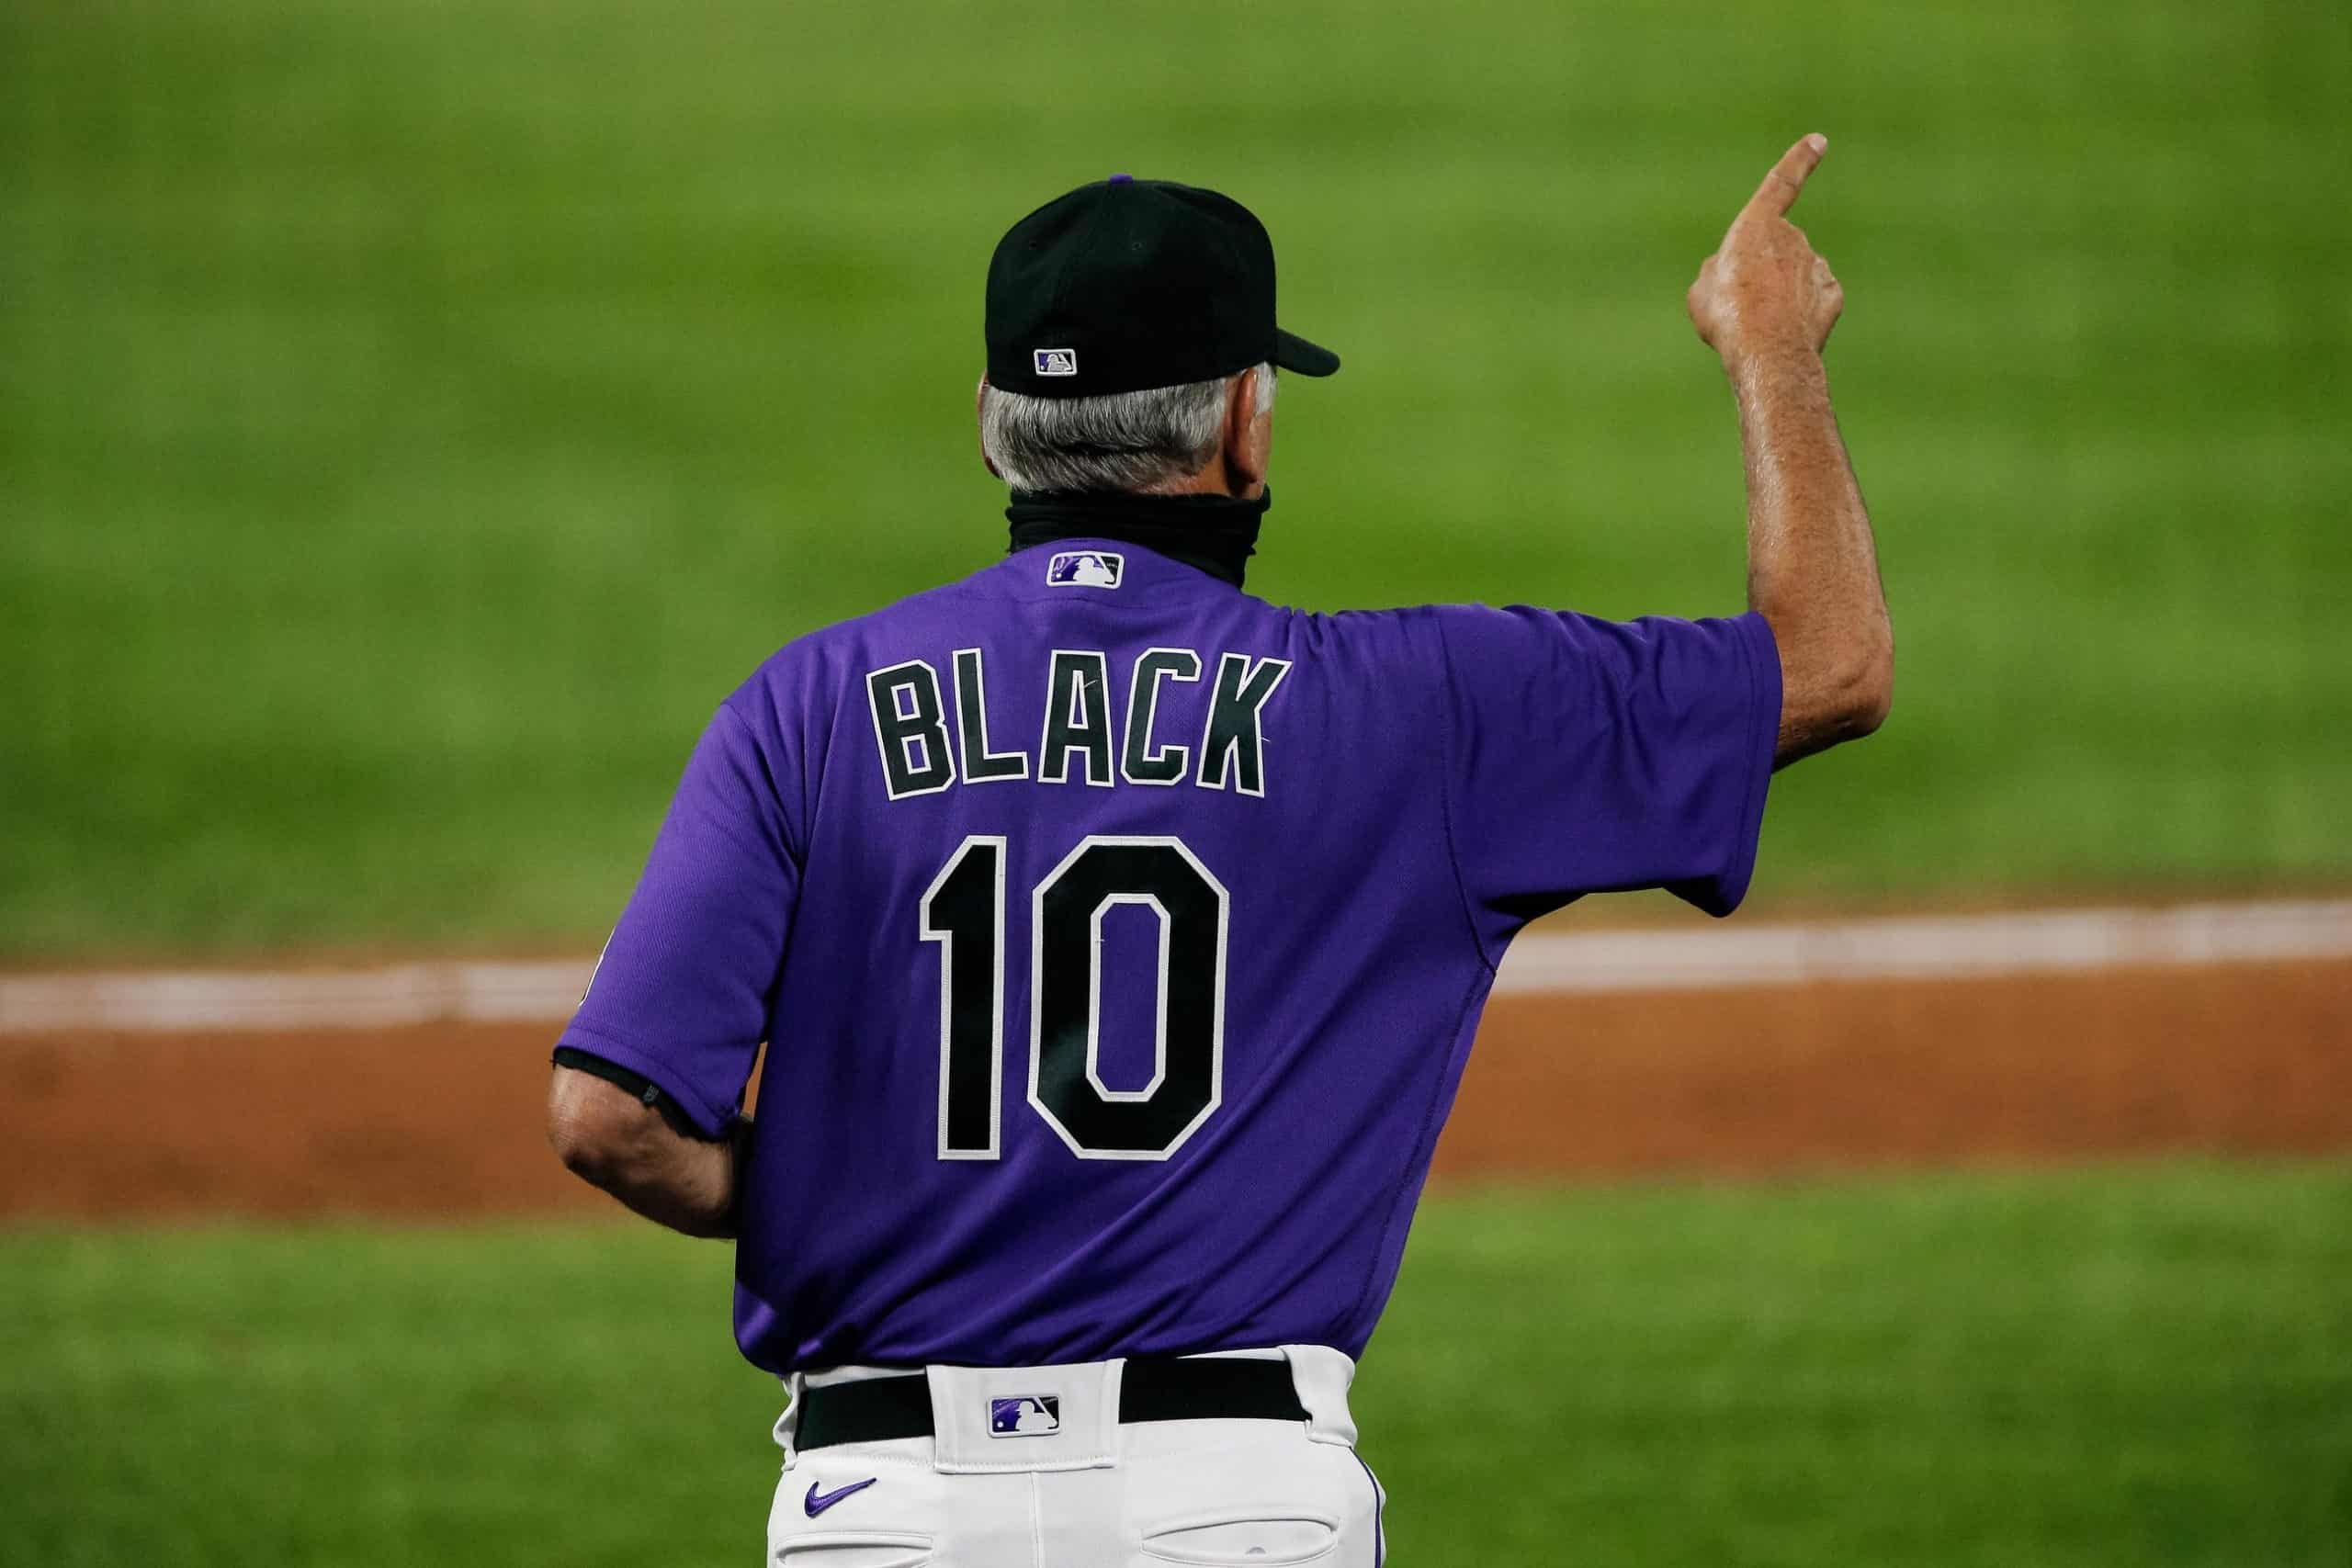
column 1083, row 742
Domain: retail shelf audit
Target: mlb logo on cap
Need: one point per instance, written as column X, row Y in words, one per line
column 1029, row 1416
column 1057, row 362
column 1085, row 568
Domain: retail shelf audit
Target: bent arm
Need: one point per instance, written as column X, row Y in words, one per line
column 1811, row 565
column 615, row 1141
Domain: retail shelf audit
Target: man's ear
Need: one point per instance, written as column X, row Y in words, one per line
column 979, row 400
column 1248, row 437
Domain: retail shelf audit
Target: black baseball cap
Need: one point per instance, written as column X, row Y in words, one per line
column 1128, row 284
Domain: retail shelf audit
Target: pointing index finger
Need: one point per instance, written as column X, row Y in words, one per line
column 1779, row 192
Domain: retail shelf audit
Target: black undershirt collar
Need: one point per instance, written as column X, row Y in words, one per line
column 1215, row 534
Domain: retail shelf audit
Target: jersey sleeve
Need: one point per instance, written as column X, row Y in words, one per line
column 680, row 996
column 1591, row 756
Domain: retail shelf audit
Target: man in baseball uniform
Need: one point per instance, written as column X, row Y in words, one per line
column 1117, row 938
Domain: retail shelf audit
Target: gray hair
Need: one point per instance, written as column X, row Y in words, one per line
column 1136, row 442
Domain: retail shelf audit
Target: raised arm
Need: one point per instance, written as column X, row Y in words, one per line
column 1765, row 303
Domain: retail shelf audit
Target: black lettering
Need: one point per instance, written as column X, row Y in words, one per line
column 911, row 729
column 1139, row 761
column 980, row 764
column 1077, row 718
column 1232, row 745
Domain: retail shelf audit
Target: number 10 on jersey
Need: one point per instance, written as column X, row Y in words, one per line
column 963, row 912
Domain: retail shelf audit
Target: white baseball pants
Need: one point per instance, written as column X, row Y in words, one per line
column 1089, row 1493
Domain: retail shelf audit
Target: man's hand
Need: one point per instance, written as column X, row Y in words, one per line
column 1764, row 291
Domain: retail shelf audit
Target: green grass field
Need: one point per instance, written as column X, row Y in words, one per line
column 2149, row 1365
column 414, row 416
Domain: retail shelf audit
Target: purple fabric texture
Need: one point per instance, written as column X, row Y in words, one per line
column 1255, row 1034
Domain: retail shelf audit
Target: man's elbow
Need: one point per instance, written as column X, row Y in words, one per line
column 613, row 1140
column 592, row 1126
column 1834, row 691
column 1863, row 689
column 583, row 1153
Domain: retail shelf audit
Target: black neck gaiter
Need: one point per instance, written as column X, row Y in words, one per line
column 1215, row 533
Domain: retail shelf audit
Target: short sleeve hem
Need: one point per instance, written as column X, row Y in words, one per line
column 709, row 1121
column 1719, row 896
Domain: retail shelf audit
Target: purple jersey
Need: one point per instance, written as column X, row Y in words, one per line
column 1119, row 938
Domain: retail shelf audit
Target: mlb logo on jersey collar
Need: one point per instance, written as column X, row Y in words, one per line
column 1086, row 568
column 1025, row 1416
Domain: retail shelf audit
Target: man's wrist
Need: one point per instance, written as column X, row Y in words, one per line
column 1774, row 373
column 1768, row 355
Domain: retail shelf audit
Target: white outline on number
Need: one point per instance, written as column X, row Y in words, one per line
column 1216, row 999
column 1094, row 1001
column 946, row 940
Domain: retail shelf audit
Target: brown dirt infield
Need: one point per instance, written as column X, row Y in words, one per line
column 441, row 1122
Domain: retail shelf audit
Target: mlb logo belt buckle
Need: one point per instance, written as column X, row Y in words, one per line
column 1025, row 1416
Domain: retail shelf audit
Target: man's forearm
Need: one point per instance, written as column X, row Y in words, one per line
column 688, row 1186
column 1811, row 565
column 611, row 1140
